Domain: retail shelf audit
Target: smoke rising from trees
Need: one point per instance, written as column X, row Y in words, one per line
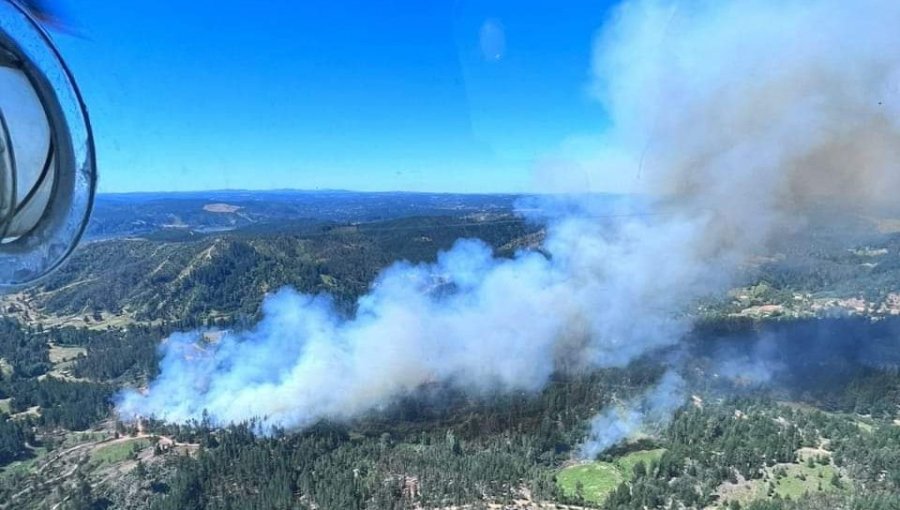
column 736, row 115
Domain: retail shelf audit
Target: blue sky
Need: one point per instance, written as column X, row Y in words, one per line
column 436, row 95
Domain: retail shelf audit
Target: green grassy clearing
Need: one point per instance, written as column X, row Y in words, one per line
column 597, row 480
column 600, row 478
column 118, row 452
column 626, row 463
column 796, row 481
column 802, row 479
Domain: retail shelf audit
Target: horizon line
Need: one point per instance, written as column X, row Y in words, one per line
column 344, row 190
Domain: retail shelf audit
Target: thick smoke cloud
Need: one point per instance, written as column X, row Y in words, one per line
column 736, row 115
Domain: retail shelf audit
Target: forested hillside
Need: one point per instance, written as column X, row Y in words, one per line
column 223, row 277
column 793, row 386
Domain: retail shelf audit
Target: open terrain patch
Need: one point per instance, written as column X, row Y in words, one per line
column 595, row 480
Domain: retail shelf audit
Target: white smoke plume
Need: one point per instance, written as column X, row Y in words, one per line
column 646, row 414
column 736, row 115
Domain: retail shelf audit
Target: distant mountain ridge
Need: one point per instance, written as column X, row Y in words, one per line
column 136, row 214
